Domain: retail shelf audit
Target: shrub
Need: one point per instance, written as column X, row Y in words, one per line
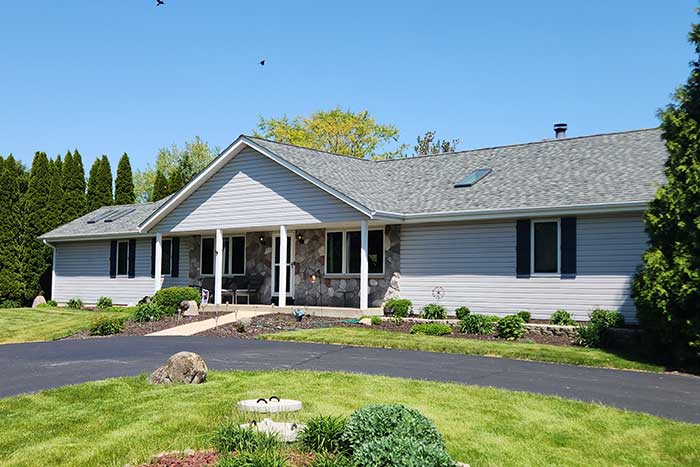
column 478, row 324
column 9, row 304
column 74, row 303
column 103, row 325
column 433, row 311
column 400, row 307
column 331, row 460
column 589, row 335
column 324, row 434
column 401, row 451
column 376, row 320
column 148, row 312
column 230, row 437
column 561, row 318
column 595, row 332
column 171, row 297
column 263, row 458
column 103, row 302
column 431, row 329
column 52, row 303
column 379, row 421
column 397, row 320
column 524, row 315
column 511, row 327
column 607, row 318
column 462, row 312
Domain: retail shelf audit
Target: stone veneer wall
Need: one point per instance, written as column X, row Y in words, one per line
column 310, row 259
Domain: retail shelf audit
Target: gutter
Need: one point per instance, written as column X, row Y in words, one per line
column 95, row 236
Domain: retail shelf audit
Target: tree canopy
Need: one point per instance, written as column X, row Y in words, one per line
column 99, row 186
column 336, row 130
column 428, row 144
column 667, row 286
column 124, row 184
column 160, row 187
column 74, row 203
column 11, row 283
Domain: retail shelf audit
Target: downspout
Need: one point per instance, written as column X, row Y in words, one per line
column 53, row 268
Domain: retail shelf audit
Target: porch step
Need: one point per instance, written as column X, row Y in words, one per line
column 322, row 311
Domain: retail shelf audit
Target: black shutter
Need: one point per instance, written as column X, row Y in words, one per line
column 568, row 246
column 153, row 257
column 175, row 257
column 522, row 261
column 132, row 258
column 113, row 259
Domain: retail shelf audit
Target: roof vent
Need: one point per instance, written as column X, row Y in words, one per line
column 560, row 130
column 473, row 177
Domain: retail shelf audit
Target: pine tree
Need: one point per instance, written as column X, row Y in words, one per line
column 11, row 286
column 56, row 195
column 35, row 221
column 99, row 187
column 74, row 203
column 666, row 291
column 160, row 187
column 176, row 181
column 124, row 185
column 108, row 181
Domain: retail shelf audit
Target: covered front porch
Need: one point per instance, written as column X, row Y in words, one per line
column 324, row 268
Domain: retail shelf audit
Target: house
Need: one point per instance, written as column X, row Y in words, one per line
column 537, row 226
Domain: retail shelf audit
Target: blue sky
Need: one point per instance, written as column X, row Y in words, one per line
column 109, row 77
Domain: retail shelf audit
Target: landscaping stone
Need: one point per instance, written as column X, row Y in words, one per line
column 366, row 321
column 182, row 367
column 191, row 308
column 39, row 300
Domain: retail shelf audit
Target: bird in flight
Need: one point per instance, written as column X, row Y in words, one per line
column 160, row 2
column 262, row 62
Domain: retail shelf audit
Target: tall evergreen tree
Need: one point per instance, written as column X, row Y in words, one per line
column 666, row 291
column 99, row 187
column 74, row 203
column 11, row 285
column 124, row 184
column 176, row 180
column 56, row 195
column 160, row 187
column 35, row 221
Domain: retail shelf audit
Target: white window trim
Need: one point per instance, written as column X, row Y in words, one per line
column 532, row 248
column 229, row 260
column 345, row 273
column 291, row 259
column 119, row 242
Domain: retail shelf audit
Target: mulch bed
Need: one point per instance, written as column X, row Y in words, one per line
column 274, row 323
column 188, row 459
column 132, row 328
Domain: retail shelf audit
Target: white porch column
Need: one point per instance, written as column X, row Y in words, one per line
column 364, row 266
column 218, row 265
column 158, row 260
column 282, row 286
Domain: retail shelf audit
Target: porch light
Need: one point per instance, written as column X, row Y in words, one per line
column 300, row 237
column 262, row 239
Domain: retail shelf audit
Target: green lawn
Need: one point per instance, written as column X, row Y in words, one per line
column 120, row 421
column 368, row 337
column 41, row 324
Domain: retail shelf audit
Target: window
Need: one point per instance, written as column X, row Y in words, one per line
column 545, row 247
column 166, row 260
column 343, row 252
column 233, row 259
column 122, row 258
column 472, row 178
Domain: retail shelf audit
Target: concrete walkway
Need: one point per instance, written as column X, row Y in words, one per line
column 190, row 329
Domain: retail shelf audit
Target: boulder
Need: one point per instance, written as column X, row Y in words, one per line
column 366, row 321
column 39, row 300
column 183, row 367
column 190, row 308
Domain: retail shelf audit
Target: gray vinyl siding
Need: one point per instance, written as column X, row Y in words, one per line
column 82, row 270
column 255, row 191
column 475, row 264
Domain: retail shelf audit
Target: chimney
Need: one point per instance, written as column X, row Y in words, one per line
column 560, row 130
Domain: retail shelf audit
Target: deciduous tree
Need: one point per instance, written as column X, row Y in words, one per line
column 428, row 144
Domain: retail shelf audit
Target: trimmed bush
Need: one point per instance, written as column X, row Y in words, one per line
column 462, row 312
column 400, row 307
column 561, row 318
column 331, row 460
column 433, row 311
column 171, row 297
column 511, row 327
column 254, row 459
column 431, row 329
column 380, row 421
column 230, row 437
column 74, row 303
column 9, row 304
column 595, row 332
column 103, row 325
column 103, row 302
column 607, row 318
column 478, row 324
column 324, row 434
column 52, row 303
column 148, row 312
column 376, row 320
column 400, row 451
column 524, row 315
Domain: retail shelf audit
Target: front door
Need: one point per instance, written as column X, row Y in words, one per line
column 288, row 265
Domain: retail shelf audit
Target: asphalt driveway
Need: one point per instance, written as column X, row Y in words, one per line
column 36, row 366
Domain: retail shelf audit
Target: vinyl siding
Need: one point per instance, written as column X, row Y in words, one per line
column 254, row 191
column 475, row 264
column 82, row 270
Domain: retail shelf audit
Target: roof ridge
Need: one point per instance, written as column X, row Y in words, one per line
column 554, row 140
column 308, row 148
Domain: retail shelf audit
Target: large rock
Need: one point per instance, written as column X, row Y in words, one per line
column 39, row 300
column 191, row 308
column 183, row 367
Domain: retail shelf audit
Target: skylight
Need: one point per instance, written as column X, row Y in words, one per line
column 473, row 177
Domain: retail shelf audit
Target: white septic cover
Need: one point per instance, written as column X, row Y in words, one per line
column 286, row 432
column 271, row 405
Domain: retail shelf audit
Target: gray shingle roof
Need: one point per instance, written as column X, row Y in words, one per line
column 600, row 169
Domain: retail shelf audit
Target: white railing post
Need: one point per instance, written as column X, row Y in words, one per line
column 158, row 260
column 218, row 265
column 364, row 265
column 282, row 286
